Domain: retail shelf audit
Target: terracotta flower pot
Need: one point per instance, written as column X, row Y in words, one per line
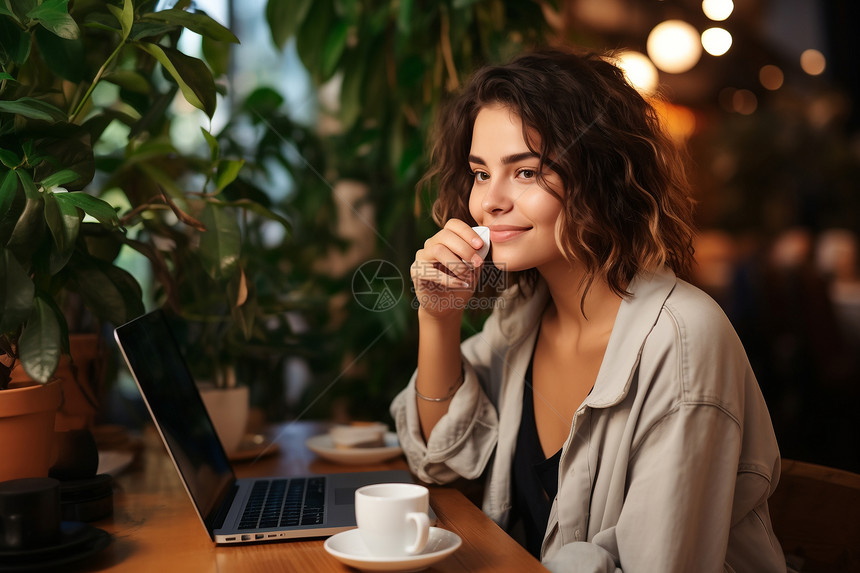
column 228, row 409
column 80, row 401
column 27, row 413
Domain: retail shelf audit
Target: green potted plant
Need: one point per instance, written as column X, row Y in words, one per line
column 392, row 65
column 85, row 157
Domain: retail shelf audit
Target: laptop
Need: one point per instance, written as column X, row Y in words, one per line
column 233, row 511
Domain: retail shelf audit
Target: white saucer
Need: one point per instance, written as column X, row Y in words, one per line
column 323, row 446
column 348, row 548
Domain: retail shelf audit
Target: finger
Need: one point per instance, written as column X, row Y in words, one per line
column 436, row 272
column 438, row 255
column 451, row 262
column 465, row 232
column 462, row 249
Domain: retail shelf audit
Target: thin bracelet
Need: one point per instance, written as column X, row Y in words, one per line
column 445, row 398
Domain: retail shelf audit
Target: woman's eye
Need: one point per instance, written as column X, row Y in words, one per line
column 527, row 173
column 481, row 176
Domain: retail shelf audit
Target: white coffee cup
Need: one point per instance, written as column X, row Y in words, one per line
column 392, row 518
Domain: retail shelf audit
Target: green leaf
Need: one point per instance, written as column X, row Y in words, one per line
column 8, row 190
column 285, row 18
column 64, row 149
column 227, row 172
column 257, row 208
column 6, row 76
column 214, row 147
column 102, row 21
column 59, row 178
column 351, row 101
column 198, row 22
column 40, row 346
column 316, row 26
column 10, row 213
column 404, row 17
column 463, row 4
column 97, row 208
column 27, row 234
column 16, row 292
column 263, row 101
column 54, row 16
column 8, row 158
column 126, row 18
column 101, row 245
column 128, row 80
column 221, row 242
column 142, row 30
column 33, row 109
column 109, row 291
column 333, row 48
column 64, row 57
column 30, row 189
column 14, row 43
column 193, row 77
column 217, row 54
column 64, row 222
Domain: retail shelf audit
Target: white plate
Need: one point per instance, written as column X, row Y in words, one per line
column 323, row 446
column 114, row 461
column 348, row 548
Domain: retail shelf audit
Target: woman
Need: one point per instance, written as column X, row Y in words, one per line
column 609, row 403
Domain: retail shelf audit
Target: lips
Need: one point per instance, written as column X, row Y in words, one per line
column 502, row 233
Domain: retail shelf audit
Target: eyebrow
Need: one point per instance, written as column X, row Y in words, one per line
column 508, row 159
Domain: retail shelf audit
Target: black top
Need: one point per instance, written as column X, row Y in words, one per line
column 535, row 477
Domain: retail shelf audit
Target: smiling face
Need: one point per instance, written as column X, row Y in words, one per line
column 506, row 197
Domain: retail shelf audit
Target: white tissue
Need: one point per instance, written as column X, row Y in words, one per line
column 484, row 233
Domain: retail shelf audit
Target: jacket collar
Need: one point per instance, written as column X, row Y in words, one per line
column 637, row 315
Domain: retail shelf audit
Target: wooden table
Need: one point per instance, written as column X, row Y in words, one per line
column 156, row 530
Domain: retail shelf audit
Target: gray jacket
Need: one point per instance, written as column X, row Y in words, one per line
column 670, row 459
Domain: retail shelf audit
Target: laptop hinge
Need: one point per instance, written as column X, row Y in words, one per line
column 223, row 509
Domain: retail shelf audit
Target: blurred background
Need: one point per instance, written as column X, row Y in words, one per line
column 329, row 103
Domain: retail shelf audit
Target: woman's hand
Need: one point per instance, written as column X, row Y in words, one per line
column 446, row 270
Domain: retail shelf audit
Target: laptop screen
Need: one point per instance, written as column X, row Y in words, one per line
column 153, row 355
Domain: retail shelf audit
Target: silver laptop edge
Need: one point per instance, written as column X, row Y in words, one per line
column 339, row 515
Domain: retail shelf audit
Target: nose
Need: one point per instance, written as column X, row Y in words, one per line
column 497, row 198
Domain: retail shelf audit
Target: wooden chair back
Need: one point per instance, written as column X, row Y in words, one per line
column 815, row 512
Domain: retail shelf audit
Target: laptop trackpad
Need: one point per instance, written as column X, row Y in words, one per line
column 344, row 495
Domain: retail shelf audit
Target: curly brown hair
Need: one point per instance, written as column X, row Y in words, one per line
column 627, row 206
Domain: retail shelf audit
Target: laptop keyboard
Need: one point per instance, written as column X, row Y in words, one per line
column 284, row 503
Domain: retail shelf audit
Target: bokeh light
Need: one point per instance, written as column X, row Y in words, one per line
column 640, row 71
column 716, row 41
column 771, row 77
column 744, row 102
column 812, row 62
column 717, row 10
column 674, row 46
